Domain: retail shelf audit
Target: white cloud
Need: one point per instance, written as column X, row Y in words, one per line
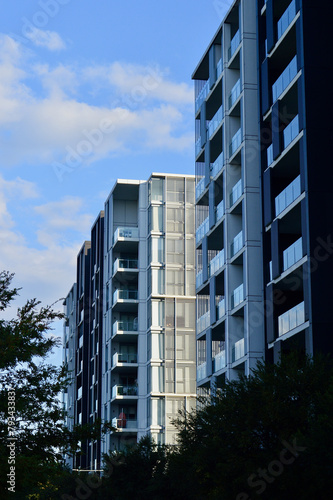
column 147, row 110
column 44, row 38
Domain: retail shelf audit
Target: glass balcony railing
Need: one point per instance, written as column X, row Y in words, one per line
column 237, row 296
column 217, row 262
column 124, row 423
column 292, row 254
column 199, row 188
column 234, row 45
column 235, row 142
column 124, row 390
column 202, row 371
column 286, row 19
column 288, row 195
column 202, row 96
column 124, row 264
column 217, row 166
column 203, row 322
column 125, row 233
column 215, row 121
column 237, row 243
column 125, row 295
column 197, row 146
column 202, row 230
column 125, row 326
column 291, row 319
column 219, row 361
column 220, row 211
column 238, row 351
column 284, row 79
column 269, row 155
column 199, row 279
column 221, row 309
column 235, row 93
column 291, row 132
column 119, row 357
column 236, row 192
column 219, row 69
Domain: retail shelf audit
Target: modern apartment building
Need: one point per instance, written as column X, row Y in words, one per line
column 132, row 315
column 229, row 281
column 263, row 206
column 149, row 359
column 294, row 41
column 82, row 343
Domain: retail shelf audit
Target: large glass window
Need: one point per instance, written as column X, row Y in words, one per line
column 157, row 411
column 157, row 313
column 157, row 345
column 157, row 281
column 156, row 189
column 157, row 379
column 175, row 281
column 175, row 250
column 175, row 220
column 155, row 218
column 185, row 314
column 156, row 250
column 175, row 190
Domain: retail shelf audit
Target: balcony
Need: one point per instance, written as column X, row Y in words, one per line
column 122, row 391
column 125, row 265
column 237, row 296
column 238, row 351
column 199, row 279
column 236, row 192
column 237, row 243
column 235, row 142
column 124, row 425
column 219, row 211
column 235, row 93
column 199, row 188
column 292, row 254
column 284, row 79
column 291, row 319
column 203, row 322
column 126, row 234
column 234, row 45
column 202, row 230
column 291, row 132
column 120, row 359
column 217, row 263
column 125, row 299
column 197, row 146
column 286, row 19
column 269, row 155
column 219, row 361
column 215, row 121
column 219, row 69
column 221, row 309
column 202, row 371
column 125, row 327
column 288, row 196
column 217, row 166
column 202, row 96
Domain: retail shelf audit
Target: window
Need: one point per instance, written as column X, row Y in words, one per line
column 155, row 218
column 175, row 190
column 156, row 189
column 156, row 250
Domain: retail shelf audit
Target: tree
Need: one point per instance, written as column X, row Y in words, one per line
column 31, row 415
column 267, row 436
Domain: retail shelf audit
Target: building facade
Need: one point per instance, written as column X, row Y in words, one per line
column 296, row 131
column 149, row 316
column 132, row 349
column 229, row 282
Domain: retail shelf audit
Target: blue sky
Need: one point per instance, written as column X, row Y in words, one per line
column 89, row 92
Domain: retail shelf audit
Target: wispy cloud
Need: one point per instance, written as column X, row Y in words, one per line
column 44, row 38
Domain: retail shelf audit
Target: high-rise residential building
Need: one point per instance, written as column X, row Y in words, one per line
column 149, row 354
column 296, row 133
column 263, row 126
column 229, row 282
column 132, row 349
